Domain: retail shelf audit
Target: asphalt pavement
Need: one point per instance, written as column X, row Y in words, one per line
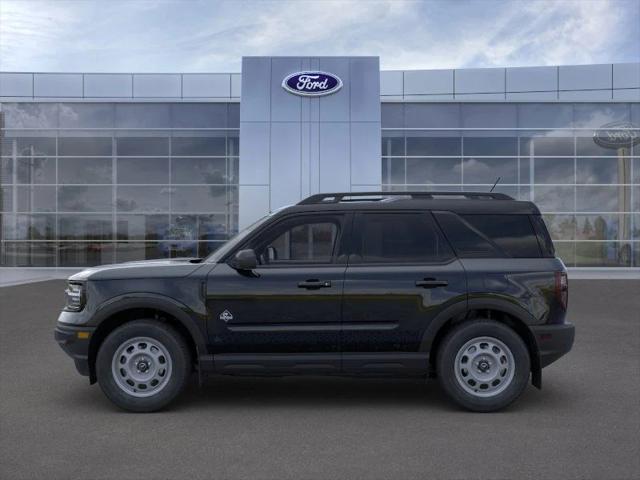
column 583, row 424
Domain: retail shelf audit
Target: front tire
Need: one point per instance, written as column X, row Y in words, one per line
column 483, row 365
column 143, row 365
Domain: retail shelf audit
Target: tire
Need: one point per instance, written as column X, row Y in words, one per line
column 143, row 365
column 483, row 365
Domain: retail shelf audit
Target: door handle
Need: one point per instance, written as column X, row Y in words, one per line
column 314, row 284
column 431, row 283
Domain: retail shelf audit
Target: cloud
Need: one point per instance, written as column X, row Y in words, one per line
column 213, row 36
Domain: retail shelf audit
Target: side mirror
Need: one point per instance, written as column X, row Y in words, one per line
column 244, row 260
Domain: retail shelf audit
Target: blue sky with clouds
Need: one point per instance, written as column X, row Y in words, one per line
column 211, row 36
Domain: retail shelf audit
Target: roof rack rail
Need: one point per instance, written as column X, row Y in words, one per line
column 379, row 196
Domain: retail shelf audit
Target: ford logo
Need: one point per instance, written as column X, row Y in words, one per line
column 617, row 135
column 312, row 84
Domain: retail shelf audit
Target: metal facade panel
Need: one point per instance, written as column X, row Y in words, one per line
column 585, row 77
column 480, row 80
column 57, row 85
column 532, row 79
column 428, row 82
column 206, row 85
column 16, row 85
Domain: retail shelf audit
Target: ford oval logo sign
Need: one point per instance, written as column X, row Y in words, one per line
column 312, row 84
column 617, row 135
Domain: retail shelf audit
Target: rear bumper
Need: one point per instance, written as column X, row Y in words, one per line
column 74, row 345
column 553, row 341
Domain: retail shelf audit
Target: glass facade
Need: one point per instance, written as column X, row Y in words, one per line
column 92, row 183
column 544, row 152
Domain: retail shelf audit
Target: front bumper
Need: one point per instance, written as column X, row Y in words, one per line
column 553, row 341
column 75, row 342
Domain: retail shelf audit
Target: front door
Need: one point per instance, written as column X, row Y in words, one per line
column 401, row 274
column 291, row 303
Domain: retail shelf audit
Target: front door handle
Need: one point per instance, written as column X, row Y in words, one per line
column 314, row 284
column 431, row 283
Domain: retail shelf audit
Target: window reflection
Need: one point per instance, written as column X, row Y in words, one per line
column 143, row 199
column 143, row 170
column 553, row 170
column 36, row 170
column 198, row 146
column 72, row 254
column 84, row 170
column 487, row 170
column 199, row 170
column 85, row 199
column 428, row 146
column 434, row 170
column 36, row 199
column 142, row 146
column 84, row 146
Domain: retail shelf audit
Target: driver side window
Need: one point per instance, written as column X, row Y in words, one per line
column 305, row 242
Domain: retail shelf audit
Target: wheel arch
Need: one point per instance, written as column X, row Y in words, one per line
column 119, row 311
column 497, row 309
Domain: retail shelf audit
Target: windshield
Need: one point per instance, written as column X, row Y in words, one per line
column 215, row 257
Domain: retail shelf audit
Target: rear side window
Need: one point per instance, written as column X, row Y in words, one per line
column 491, row 235
column 399, row 238
column 546, row 244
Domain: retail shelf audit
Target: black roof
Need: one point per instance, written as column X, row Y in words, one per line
column 458, row 202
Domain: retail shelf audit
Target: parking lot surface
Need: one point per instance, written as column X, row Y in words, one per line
column 584, row 423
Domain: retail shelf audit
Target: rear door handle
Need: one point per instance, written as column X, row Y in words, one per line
column 314, row 284
column 431, row 283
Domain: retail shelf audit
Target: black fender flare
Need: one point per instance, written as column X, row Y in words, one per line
column 170, row 306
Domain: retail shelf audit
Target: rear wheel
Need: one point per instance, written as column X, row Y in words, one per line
column 483, row 365
column 143, row 365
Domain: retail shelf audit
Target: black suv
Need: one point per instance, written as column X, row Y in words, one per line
column 462, row 286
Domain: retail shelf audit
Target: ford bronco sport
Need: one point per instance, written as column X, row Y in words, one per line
column 461, row 286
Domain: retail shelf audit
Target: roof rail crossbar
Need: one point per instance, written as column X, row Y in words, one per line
column 361, row 196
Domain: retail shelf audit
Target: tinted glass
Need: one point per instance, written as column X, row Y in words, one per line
column 547, row 146
column 85, row 227
column 142, row 115
column 81, row 146
column 307, row 242
column 434, row 170
column 85, row 199
column 198, row 146
column 142, row 227
column 35, row 146
column 143, row 170
column 143, row 199
column 603, row 170
column 513, row 234
column 467, row 242
column 553, row 170
column 36, row 170
column 487, row 170
column 199, row 170
column 143, row 146
column 399, row 237
column 544, row 239
column 86, row 115
column 36, row 199
column 491, row 146
column 84, row 170
column 427, row 146
column 199, row 115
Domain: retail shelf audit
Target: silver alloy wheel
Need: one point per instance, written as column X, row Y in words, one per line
column 141, row 366
column 484, row 366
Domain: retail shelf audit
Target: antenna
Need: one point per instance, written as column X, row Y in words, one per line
column 494, row 185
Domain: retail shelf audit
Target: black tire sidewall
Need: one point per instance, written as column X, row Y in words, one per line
column 180, row 367
column 460, row 335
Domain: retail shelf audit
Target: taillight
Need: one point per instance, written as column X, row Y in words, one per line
column 562, row 288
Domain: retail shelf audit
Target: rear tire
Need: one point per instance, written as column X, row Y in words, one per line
column 143, row 365
column 483, row 365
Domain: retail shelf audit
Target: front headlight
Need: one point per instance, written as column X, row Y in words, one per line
column 75, row 297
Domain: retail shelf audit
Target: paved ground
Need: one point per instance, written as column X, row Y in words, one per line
column 585, row 423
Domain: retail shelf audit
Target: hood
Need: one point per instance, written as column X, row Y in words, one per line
column 162, row 268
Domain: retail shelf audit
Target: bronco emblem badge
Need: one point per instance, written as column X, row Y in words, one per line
column 226, row 316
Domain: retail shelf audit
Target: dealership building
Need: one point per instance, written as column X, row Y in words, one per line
column 103, row 167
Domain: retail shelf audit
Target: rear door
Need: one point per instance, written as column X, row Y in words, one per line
column 401, row 274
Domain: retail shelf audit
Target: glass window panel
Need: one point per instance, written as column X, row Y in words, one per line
column 554, row 199
column 199, row 170
column 182, row 227
column 233, row 170
column 85, row 199
column 636, row 199
column 81, row 146
column 143, row 115
column 29, row 254
column 603, row 170
column 132, row 251
column 143, row 146
column 85, row 254
column 525, row 169
column 201, row 199
column 142, row 227
column 566, row 251
column 586, row 146
column 392, row 146
column 306, row 242
column 487, row 170
column 233, row 115
column 30, row 115
column 425, row 115
column 143, row 170
column 561, row 227
column 513, row 234
column 202, row 227
column 199, row 115
column 205, row 248
column 6, row 199
column 180, row 249
column 598, row 114
column 434, row 170
column 636, row 254
column 85, row 227
column 603, row 254
column 635, row 234
column 36, row 199
column 601, row 199
column 233, row 144
column 85, row 170
column 392, row 115
column 36, row 170
column 86, row 115
column 490, row 146
column 489, row 115
column 35, row 146
column 143, row 199
column 553, row 170
column 603, row 227
column 394, row 170
column 636, row 170
column 6, row 170
column 420, row 145
column 545, row 115
column 546, row 146
column 28, row 227
column 198, row 146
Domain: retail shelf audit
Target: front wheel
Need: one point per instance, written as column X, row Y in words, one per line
column 483, row 365
column 143, row 365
